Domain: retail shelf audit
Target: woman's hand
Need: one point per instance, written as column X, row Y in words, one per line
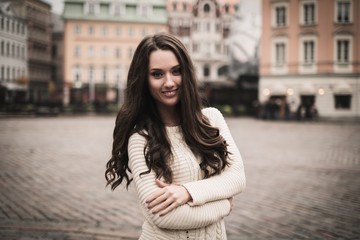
column 167, row 198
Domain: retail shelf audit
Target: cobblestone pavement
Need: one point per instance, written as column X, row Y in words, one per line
column 303, row 181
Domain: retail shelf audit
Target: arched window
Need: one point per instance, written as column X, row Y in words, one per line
column 223, row 71
column 206, row 8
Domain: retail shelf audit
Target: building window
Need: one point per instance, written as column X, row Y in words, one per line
column 91, row 51
column 117, row 52
column 92, row 7
column 143, row 32
column 184, row 7
column 2, row 48
column 174, row 5
column 342, row 50
column 91, row 30
column 104, row 51
column 104, row 30
column 208, row 27
column 77, row 51
column 218, row 48
column 2, row 73
column 206, row 8
column 309, row 48
column 118, row 9
column 77, row 74
column 18, row 51
column 307, row 54
column 280, row 13
column 77, row 29
column 104, row 74
column 118, row 31
column 227, row 8
column 7, row 74
column 343, row 11
column 118, row 74
column 206, row 71
column 144, row 9
column 280, row 53
column 22, row 52
column 7, row 49
column 342, row 101
column 131, row 32
column 227, row 50
column 130, row 52
column 308, row 13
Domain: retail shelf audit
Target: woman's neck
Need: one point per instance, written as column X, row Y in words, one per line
column 169, row 116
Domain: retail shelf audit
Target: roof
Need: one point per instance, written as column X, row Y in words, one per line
column 76, row 10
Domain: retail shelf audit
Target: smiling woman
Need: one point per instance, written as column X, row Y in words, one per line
column 182, row 158
column 165, row 84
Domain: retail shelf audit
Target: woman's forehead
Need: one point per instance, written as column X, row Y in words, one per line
column 161, row 59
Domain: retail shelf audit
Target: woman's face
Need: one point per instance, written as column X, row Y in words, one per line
column 164, row 78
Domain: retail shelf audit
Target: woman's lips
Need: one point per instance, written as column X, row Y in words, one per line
column 170, row 93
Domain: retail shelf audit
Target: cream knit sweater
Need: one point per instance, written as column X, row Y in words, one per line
column 201, row 219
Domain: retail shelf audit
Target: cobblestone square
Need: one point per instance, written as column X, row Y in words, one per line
column 303, row 181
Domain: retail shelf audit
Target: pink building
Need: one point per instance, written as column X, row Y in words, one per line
column 310, row 56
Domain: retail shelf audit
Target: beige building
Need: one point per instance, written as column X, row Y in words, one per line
column 204, row 27
column 37, row 15
column 310, row 56
column 100, row 38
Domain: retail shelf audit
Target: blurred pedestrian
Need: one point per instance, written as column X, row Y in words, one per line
column 182, row 158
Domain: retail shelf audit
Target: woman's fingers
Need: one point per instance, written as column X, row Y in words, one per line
column 168, row 209
column 155, row 195
column 161, row 183
column 167, row 198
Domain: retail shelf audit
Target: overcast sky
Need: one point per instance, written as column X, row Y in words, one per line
column 56, row 5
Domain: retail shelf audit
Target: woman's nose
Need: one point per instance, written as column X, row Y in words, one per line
column 169, row 82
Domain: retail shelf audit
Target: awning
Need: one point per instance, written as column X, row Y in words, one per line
column 15, row 87
column 307, row 89
column 278, row 89
column 342, row 88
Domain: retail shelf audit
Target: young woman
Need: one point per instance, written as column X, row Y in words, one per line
column 182, row 158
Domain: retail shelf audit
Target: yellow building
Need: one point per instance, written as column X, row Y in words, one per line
column 100, row 37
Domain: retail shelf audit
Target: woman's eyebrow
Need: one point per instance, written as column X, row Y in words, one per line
column 155, row 69
column 177, row 66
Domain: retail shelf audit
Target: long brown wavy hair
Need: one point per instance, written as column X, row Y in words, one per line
column 139, row 114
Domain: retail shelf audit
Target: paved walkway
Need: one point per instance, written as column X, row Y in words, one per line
column 303, row 181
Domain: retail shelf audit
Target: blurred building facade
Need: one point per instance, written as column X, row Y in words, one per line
column 37, row 15
column 13, row 56
column 310, row 57
column 100, row 38
column 57, row 56
column 204, row 28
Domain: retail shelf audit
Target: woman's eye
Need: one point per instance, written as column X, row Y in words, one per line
column 177, row 72
column 157, row 74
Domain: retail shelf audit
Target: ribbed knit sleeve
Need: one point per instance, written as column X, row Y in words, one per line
column 183, row 217
column 231, row 181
